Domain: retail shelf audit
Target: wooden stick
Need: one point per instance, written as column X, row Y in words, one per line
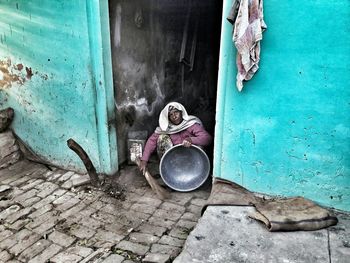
column 160, row 191
column 73, row 145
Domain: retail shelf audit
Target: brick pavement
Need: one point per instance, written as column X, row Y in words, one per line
column 54, row 216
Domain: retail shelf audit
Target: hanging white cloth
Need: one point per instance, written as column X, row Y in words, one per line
column 248, row 21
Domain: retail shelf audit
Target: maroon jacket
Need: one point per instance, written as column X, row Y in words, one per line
column 199, row 136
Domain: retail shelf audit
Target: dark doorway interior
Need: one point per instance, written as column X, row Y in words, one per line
column 162, row 51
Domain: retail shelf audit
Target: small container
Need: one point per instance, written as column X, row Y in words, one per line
column 136, row 144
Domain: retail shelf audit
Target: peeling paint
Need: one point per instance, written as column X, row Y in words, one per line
column 19, row 67
column 29, row 73
column 10, row 74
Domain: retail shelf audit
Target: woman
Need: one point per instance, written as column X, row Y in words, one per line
column 175, row 127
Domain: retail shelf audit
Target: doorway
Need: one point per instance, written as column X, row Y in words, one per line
column 162, row 51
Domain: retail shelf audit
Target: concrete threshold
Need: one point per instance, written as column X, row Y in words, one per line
column 226, row 234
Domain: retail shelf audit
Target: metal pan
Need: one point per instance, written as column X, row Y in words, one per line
column 184, row 168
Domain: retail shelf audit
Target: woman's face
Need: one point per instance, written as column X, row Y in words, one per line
column 175, row 117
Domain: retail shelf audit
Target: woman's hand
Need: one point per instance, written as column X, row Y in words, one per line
column 187, row 142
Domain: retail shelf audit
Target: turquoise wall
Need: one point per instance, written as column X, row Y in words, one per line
column 288, row 132
column 55, row 71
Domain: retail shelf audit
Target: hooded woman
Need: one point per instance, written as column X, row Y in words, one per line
column 175, row 127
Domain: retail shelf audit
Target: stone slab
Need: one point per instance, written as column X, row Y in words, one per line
column 47, row 254
column 61, row 239
column 339, row 239
column 226, row 234
column 4, row 188
column 34, row 250
column 9, row 150
column 114, row 258
column 133, row 247
column 156, row 258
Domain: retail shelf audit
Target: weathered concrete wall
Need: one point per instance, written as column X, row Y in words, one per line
column 146, row 44
column 288, row 132
column 55, row 72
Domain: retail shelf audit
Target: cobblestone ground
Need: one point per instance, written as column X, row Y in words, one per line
column 47, row 217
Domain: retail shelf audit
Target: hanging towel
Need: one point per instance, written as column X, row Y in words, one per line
column 248, row 24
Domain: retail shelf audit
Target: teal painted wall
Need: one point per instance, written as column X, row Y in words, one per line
column 55, row 71
column 288, row 132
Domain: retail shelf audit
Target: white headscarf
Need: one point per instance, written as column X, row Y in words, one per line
column 166, row 127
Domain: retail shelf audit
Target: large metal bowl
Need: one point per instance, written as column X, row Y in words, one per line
column 184, row 168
